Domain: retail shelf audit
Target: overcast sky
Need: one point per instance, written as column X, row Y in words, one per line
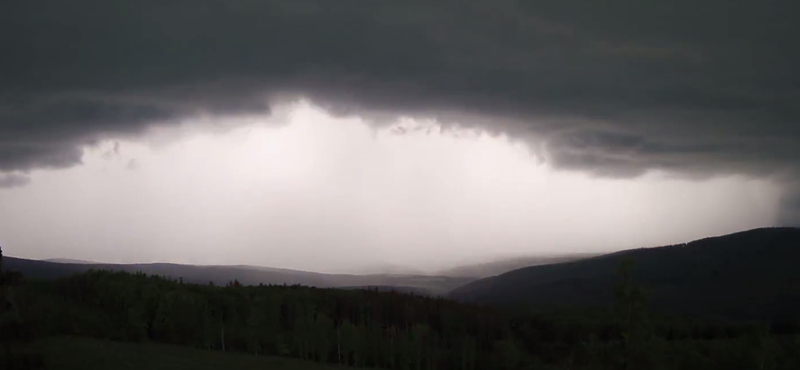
column 333, row 135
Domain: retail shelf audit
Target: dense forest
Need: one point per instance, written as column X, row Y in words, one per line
column 367, row 328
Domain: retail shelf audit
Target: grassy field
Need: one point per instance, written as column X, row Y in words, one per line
column 79, row 353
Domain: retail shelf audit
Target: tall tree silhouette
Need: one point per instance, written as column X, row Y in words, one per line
column 630, row 301
column 14, row 334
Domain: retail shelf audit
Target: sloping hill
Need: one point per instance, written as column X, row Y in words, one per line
column 751, row 274
column 248, row 275
column 497, row 267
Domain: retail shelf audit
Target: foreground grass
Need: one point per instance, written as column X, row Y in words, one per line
column 80, row 353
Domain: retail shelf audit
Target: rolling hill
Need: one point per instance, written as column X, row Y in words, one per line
column 497, row 267
column 248, row 275
column 752, row 274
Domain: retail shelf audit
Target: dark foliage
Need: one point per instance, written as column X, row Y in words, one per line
column 368, row 328
column 374, row 328
column 15, row 334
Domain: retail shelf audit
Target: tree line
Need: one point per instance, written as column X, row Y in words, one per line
column 367, row 328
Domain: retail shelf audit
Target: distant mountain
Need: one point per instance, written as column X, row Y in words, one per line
column 751, row 274
column 68, row 260
column 494, row 268
column 384, row 269
column 249, row 275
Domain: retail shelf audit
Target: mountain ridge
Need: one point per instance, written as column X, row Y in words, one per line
column 248, row 275
column 747, row 274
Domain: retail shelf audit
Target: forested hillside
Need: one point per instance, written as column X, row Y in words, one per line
column 391, row 330
column 620, row 323
column 501, row 266
column 747, row 275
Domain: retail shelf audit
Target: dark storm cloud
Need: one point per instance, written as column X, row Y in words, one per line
column 615, row 88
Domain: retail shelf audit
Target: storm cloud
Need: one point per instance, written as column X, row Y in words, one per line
column 697, row 88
